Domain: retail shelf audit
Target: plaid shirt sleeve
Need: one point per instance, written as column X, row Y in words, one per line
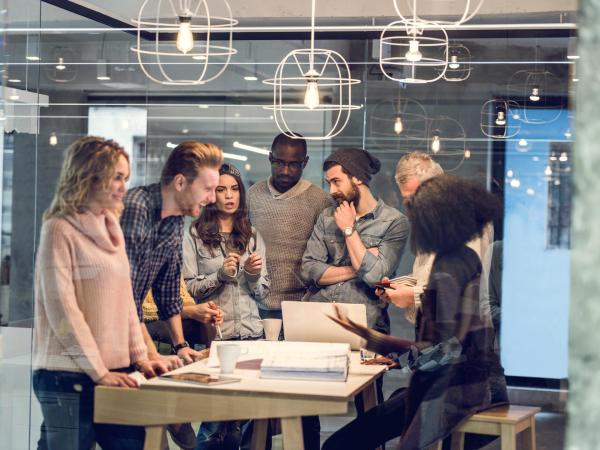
column 167, row 287
column 134, row 222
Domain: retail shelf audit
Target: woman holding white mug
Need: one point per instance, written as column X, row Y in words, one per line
column 224, row 261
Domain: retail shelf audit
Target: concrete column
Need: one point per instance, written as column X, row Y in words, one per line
column 584, row 352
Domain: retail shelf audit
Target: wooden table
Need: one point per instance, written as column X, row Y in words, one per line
column 161, row 402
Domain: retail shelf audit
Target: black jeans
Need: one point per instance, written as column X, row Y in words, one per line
column 373, row 428
column 67, row 401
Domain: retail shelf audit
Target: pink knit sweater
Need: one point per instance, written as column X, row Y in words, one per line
column 85, row 316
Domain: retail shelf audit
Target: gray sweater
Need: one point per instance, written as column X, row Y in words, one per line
column 285, row 221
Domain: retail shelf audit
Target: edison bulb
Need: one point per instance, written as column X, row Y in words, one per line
column 185, row 37
column 398, row 126
column 435, row 143
column 454, row 64
column 413, row 54
column 53, row 140
column 467, row 154
column 535, row 94
column 311, row 95
column 501, row 118
column 61, row 64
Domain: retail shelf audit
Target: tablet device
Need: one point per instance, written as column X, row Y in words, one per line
column 199, row 378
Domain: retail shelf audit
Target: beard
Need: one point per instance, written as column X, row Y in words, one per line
column 352, row 197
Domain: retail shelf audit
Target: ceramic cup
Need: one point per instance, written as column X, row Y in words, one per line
column 272, row 328
column 228, row 355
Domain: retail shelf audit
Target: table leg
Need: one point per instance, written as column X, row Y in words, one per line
column 508, row 437
column 291, row 430
column 369, row 395
column 156, row 438
column 259, row 434
column 529, row 436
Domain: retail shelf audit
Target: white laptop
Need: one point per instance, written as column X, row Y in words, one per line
column 307, row 322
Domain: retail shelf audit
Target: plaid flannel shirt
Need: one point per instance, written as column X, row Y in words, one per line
column 154, row 249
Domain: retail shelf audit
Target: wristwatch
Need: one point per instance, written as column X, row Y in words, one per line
column 348, row 231
column 178, row 347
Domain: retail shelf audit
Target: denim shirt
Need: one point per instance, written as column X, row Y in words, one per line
column 236, row 295
column 384, row 228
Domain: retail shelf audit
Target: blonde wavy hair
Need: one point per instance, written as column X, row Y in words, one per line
column 188, row 158
column 89, row 166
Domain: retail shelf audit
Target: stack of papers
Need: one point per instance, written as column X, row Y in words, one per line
column 330, row 362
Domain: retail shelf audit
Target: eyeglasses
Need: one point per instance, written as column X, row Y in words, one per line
column 280, row 164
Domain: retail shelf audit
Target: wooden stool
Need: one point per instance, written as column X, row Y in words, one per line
column 503, row 421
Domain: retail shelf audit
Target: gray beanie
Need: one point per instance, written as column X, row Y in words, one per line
column 356, row 161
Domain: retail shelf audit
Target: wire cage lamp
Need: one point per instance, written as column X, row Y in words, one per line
column 498, row 119
column 459, row 63
column 312, row 92
column 62, row 68
column 413, row 51
column 470, row 10
column 185, row 60
column 447, row 142
column 399, row 124
column 535, row 88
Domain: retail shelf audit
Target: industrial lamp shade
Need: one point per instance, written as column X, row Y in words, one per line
column 312, row 93
column 176, row 43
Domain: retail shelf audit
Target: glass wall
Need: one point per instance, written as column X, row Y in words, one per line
column 67, row 74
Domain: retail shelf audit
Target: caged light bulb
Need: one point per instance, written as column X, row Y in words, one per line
column 398, row 126
column 61, row 64
column 185, row 37
column 435, row 143
column 501, row 118
column 454, row 64
column 535, row 94
column 413, row 54
column 311, row 94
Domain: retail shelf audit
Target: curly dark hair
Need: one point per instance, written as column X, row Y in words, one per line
column 206, row 227
column 446, row 212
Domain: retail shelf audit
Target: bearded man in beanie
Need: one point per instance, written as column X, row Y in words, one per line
column 356, row 243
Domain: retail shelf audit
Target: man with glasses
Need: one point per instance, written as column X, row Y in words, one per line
column 284, row 210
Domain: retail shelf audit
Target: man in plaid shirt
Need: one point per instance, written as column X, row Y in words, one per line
column 152, row 223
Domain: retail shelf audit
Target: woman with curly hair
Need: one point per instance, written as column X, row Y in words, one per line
column 452, row 354
column 86, row 329
column 224, row 261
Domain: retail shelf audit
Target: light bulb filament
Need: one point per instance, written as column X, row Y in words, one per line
column 398, row 126
column 413, row 54
column 454, row 64
column 185, row 37
column 535, row 94
column 435, row 143
column 311, row 94
column 501, row 118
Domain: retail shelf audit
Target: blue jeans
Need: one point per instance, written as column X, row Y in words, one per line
column 67, row 401
column 220, row 435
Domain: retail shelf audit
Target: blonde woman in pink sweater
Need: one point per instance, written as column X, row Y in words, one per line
column 86, row 328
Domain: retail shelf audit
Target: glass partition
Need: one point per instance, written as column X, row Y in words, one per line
column 66, row 75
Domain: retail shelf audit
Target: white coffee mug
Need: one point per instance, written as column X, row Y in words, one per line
column 228, row 354
column 272, row 329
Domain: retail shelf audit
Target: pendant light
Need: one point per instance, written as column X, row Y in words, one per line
column 312, row 91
